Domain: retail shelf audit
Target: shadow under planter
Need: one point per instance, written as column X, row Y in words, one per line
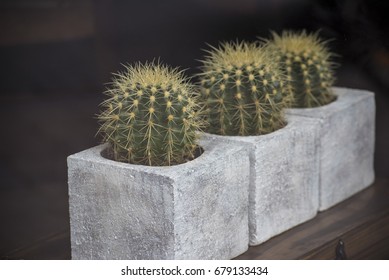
column 347, row 133
column 195, row 210
column 284, row 177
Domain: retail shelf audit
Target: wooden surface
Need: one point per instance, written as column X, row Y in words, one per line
column 362, row 222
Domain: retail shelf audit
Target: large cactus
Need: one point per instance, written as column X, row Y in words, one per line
column 307, row 63
column 243, row 90
column 150, row 116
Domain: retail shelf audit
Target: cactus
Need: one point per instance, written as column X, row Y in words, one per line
column 242, row 90
column 150, row 116
column 308, row 66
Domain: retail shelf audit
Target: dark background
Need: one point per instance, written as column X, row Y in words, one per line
column 56, row 56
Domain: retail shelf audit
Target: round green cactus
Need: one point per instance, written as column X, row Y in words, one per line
column 308, row 66
column 242, row 90
column 151, row 116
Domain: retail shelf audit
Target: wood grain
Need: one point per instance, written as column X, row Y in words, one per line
column 55, row 246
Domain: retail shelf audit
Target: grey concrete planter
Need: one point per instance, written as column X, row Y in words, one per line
column 347, row 128
column 284, row 176
column 196, row 210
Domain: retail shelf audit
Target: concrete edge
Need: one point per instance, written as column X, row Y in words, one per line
column 211, row 148
column 345, row 97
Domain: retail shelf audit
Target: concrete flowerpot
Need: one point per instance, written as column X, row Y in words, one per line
column 347, row 128
column 196, row 210
column 284, row 177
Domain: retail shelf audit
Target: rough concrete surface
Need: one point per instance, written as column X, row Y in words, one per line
column 196, row 210
column 347, row 137
column 284, row 177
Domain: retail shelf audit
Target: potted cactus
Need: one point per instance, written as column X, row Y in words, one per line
column 244, row 93
column 347, row 116
column 152, row 191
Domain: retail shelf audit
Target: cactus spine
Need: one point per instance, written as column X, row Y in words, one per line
column 242, row 90
column 307, row 63
column 150, row 116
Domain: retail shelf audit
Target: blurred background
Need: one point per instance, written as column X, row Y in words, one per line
column 57, row 55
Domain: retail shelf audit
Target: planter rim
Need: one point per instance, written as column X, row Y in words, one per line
column 345, row 97
column 210, row 154
column 291, row 122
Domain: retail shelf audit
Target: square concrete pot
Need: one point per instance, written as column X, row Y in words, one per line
column 196, row 210
column 347, row 129
column 284, row 178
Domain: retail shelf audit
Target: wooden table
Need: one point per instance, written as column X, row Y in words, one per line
column 362, row 222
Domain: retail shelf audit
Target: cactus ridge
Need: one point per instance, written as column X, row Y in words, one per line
column 308, row 64
column 242, row 90
column 150, row 116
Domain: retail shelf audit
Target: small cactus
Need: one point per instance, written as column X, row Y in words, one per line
column 150, row 116
column 308, row 66
column 242, row 90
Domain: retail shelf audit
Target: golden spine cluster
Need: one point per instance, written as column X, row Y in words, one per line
column 242, row 90
column 308, row 65
column 150, row 116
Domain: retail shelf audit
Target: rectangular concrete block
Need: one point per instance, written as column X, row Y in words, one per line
column 196, row 210
column 284, row 177
column 347, row 138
